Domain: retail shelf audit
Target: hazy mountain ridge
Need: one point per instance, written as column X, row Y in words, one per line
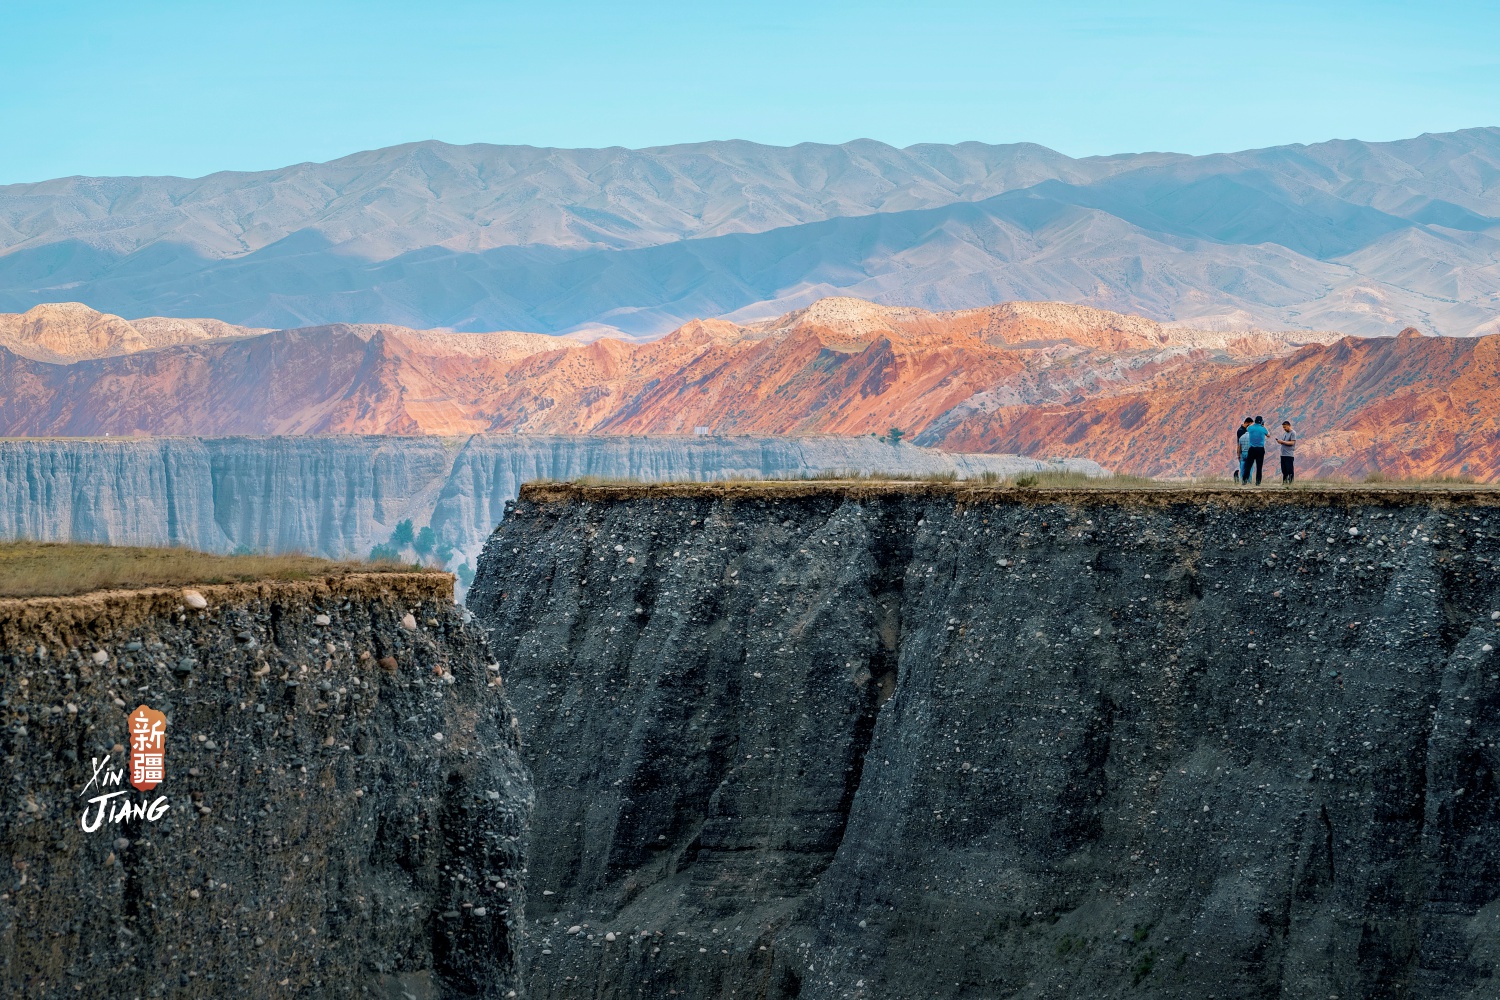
column 368, row 203
column 380, row 203
column 1362, row 237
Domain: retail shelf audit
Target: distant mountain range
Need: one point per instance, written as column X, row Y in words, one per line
column 1364, row 238
column 1042, row 379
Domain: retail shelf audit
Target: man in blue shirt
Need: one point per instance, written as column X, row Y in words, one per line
column 1255, row 450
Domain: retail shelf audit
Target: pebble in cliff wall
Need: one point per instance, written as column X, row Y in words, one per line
column 340, row 812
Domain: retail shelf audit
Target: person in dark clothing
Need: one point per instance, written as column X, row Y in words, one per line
column 1239, row 450
column 1288, row 442
column 1255, row 451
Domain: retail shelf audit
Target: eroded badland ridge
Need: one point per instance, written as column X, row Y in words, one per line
column 1042, row 379
column 865, row 741
column 840, row 366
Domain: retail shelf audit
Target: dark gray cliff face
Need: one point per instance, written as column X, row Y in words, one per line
column 937, row 742
column 346, row 807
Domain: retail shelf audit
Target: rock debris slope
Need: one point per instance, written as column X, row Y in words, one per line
column 346, row 808
column 925, row 741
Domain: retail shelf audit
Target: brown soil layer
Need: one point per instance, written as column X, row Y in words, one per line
column 55, row 569
column 64, row 619
column 1330, row 494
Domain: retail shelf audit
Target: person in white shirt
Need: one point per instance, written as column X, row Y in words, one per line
column 1288, row 442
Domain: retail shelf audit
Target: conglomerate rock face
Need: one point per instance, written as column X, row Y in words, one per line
column 342, row 810
column 926, row 741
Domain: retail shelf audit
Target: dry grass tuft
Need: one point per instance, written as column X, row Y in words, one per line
column 1078, row 481
column 877, row 476
column 1381, row 477
column 52, row 569
column 1045, row 479
column 1040, row 480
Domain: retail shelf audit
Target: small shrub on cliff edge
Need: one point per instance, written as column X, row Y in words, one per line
column 404, row 534
column 425, row 541
column 385, row 554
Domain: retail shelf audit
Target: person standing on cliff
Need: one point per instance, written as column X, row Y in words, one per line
column 1255, row 451
column 1239, row 451
column 1288, row 442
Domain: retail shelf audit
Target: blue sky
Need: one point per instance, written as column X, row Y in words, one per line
column 190, row 88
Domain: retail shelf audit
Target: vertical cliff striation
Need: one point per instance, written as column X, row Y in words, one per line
column 925, row 741
column 340, row 496
column 341, row 813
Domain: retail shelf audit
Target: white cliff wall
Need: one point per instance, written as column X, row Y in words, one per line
column 329, row 496
column 339, row 496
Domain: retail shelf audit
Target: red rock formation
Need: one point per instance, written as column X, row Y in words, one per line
column 1409, row 406
column 70, row 331
column 1036, row 378
column 843, row 366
